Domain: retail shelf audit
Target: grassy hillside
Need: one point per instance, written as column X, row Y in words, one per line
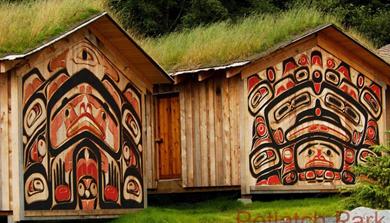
column 226, row 42
column 24, row 25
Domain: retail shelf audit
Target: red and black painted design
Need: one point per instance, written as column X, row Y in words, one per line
column 314, row 118
column 81, row 135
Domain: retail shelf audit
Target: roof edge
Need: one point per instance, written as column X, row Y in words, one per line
column 360, row 44
column 151, row 60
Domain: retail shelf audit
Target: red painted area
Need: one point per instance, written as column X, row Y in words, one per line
column 253, row 81
column 30, row 88
column 62, row 193
column 318, row 112
column 330, row 63
column 345, row 71
column 316, row 60
column 303, row 61
column 271, row 75
column 87, row 167
column 111, row 193
column 317, row 88
column 377, row 91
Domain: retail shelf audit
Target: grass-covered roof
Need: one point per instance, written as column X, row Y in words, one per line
column 24, row 26
column 28, row 24
column 227, row 42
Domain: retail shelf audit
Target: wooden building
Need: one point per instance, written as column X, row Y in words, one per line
column 73, row 124
column 90, row 123
column 295, row 118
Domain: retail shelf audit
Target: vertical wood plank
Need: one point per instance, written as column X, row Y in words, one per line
column 189, row 135
column 204, row 162
column 146, row 146
column 183, row 137
column 226, row 131
column 144, row 132
column 4, row 158
column 14, row 138
column 245, row 135
column 233, row 130
column 240, row 125
column 195, row 112
column 163, row 119
column 211, row 130
column 174, row 146
column 154, row 136
column 219, row 169
column 150, row 148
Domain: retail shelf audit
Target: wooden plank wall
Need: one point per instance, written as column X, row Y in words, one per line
column 150, row 151
column 4, row 148
column 210, row 131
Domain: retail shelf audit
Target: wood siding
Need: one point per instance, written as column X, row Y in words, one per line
column 150, row 153
column 5, row 162
column 210, row 131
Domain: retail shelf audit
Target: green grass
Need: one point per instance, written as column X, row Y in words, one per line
column 226, row 42
column 225, row 211
column 26, row 25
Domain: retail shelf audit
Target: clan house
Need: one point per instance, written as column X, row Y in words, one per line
column 90, row 124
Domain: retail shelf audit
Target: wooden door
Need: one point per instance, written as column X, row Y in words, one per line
column 168, row 136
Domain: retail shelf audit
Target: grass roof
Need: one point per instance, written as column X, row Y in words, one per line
column 26, row 25
column 226, row 42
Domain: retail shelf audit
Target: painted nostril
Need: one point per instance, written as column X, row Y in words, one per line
column 87, row 193
column 89, row 108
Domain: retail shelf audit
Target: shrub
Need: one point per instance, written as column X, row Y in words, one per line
column 372, row 188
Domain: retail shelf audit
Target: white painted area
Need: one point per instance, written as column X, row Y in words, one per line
column 237, row 64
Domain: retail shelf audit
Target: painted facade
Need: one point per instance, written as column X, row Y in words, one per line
column 82, row 145
column 314, row 117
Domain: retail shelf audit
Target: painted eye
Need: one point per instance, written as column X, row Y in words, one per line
column 93, row 189
column 41, row 147
column 67, row 112
column 38, row 185
column 328, row 152
column 81, row 189
column 104, row 116
column 126, row 152
column 84, row 55
column 310, row 152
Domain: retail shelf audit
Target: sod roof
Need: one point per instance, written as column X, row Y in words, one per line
column 25, row 26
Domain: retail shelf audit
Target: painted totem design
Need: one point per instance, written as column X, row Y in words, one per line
column 81, row 134
column 314, row 117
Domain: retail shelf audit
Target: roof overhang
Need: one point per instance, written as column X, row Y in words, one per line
column 118, row 37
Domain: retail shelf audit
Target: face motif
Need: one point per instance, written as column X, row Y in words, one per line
column 314, row 114
column 81, row 134
column 80, row 111
column 87, row 179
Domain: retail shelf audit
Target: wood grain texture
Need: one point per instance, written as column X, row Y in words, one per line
column 169, row 137
column 4, row 148
column 211, row 155
column 204, row 161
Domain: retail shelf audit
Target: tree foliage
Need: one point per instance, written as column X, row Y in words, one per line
column 373, row 187
column 158, row 17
